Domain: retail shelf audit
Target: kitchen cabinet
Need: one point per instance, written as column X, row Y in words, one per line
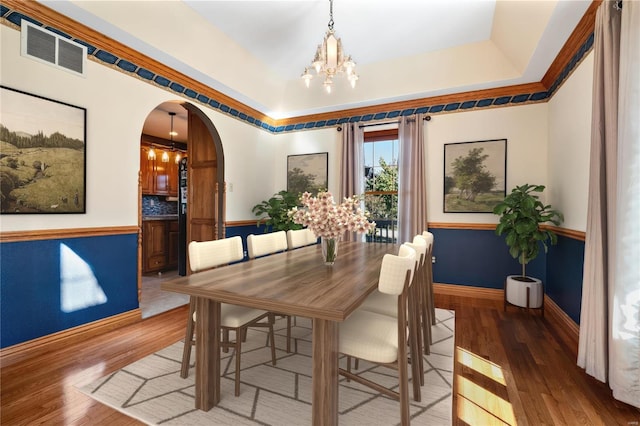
column 173, row 239
column 159, row 177
column 160, row 240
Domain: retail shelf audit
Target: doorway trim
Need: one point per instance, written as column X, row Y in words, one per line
column 221, row 192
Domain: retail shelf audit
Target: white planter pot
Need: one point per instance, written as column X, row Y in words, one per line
column 516, row 291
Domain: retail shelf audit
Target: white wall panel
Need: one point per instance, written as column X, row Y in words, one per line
column 569, row 145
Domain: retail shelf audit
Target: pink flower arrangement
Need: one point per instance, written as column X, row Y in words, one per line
column 330, row 220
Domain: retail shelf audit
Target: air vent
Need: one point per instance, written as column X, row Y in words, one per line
column 50, row 48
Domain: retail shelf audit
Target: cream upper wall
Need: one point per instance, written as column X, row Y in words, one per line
column 524, row 127
column 308, row 142
column 569, row 146
column 255, row 161
column 117, row 106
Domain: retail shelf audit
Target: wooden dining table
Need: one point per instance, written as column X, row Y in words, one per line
column 295, row 282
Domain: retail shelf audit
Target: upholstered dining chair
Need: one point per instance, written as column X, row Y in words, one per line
column 259, row 245
column 382, row 339
column 209, row 254
column 297, row 238
column 386, row 304
column 300, row 238
column 264, row 244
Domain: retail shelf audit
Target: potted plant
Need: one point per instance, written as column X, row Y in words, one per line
column 276, row 209
column 521, row 216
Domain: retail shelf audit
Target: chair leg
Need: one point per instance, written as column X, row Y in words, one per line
column 424, row 319
column 432, row 305
column 403, row 387
column 225, row 338
column 415, row 342
column 288, row 334
column 238, row 349
column 188, row 340
column 273, row 339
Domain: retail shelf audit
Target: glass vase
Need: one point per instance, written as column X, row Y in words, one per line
column 329, row 250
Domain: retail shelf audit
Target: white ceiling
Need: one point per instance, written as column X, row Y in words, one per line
column 284, row 34
column 255, row 51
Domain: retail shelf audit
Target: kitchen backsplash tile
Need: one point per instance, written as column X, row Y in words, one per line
column 156, row 206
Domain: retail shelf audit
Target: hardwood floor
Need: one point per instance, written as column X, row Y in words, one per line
column 514, row 368
column 511, row 368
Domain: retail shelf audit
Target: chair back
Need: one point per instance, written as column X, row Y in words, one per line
column 406, row 250
column 300, row 237
column 428, row 236
column 420, row 246
column 393, row 271
column 422, row 249
column 209, row 254
column 263, row 244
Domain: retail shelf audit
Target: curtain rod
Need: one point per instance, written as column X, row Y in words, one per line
column 426, row 118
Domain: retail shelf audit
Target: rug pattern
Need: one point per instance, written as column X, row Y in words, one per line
column 152, row 391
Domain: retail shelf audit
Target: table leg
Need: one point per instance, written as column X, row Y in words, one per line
column 325, row 372
column 207, row 353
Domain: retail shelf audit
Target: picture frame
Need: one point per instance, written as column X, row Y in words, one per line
column 474, row 176
column 308, row 172
column 42, row 154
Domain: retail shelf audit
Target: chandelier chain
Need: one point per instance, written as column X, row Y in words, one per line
column 331, row 15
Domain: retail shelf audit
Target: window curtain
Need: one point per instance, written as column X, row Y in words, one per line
column 412, row 188
column 609, row 347
column 624, row 368
column 352, row 168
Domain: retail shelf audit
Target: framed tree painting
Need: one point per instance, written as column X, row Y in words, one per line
column 42, row 154
column 307, row 172
column 474, row 176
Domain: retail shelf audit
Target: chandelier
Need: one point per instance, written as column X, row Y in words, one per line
column 330, row 59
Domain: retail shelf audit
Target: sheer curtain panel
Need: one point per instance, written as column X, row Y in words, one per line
column 624, row 368
column 609, row 345
column 352, row 167
column 412, row 187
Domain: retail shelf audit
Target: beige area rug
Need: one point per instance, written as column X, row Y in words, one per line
column 151, row 389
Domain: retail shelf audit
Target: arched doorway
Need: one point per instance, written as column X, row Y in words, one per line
column 201, row 218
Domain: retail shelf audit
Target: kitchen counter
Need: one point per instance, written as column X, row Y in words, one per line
column 161, row 217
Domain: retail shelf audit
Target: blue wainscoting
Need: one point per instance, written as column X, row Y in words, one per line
column 52, row 285
column 477, row 258
column 480, row 258
column 565, row 262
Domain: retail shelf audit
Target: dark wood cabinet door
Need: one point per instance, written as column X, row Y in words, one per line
column 154, row 237
column 172, row 175
column 161, row 173
column 146, row 168
column 173, row 239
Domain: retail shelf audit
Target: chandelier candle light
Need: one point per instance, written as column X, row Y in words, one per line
column 329, row 220
column 330, row 60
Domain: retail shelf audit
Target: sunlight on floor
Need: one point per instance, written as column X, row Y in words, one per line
column 77, row 405
column 480, row 365
column 477, row 405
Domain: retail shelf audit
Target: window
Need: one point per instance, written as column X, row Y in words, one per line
column 381, row 182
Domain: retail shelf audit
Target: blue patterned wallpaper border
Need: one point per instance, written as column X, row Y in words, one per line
column 127, row 67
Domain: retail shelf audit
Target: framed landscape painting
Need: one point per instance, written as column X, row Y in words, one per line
column 307, row 172
column 42, row 154
column 474, row 176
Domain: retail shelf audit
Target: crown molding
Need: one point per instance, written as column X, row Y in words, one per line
column 105, row 50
